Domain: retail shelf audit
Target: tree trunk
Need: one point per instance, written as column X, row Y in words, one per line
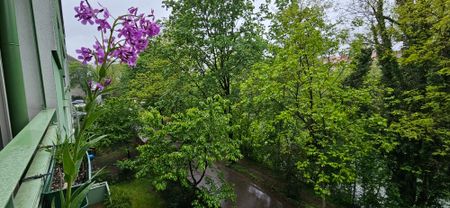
column 324, row 202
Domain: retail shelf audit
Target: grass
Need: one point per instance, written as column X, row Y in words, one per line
column 141, row 193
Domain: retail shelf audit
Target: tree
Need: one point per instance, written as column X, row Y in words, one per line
column 420, row 161
column 124, row 113
column 219, row 39
column 183, row 147
column 375, row 13
column 205, row 50
column 415, row 97
column 369, row 133
column 361, row 62
column 161, row 80
column 301, row 120
column 80, row 74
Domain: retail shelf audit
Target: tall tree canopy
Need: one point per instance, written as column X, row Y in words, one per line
column 220, row 39
column 362, row 120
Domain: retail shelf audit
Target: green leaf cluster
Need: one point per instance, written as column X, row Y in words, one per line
column 182, row 147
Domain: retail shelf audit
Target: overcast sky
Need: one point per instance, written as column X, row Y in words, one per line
column 78, row 35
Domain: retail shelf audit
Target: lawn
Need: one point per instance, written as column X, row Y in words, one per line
column 141, row 193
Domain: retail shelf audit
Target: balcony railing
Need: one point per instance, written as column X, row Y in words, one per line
column 25, row 161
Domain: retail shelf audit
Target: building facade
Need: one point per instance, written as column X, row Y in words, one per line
column 33, row 62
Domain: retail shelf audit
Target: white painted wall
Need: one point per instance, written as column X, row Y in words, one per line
column 29, row 58
column 43, row 14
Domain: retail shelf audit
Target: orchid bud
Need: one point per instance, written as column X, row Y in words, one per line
column 99, row 87
column 107, row 82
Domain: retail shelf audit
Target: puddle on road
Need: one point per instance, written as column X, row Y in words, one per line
column 248, row 194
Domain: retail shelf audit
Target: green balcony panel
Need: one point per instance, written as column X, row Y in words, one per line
column 12, row 66
column 16, row 156
column 29, row 193
column 50, row 137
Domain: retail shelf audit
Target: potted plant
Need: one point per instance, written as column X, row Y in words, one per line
column 121, row 39
column 55, row 183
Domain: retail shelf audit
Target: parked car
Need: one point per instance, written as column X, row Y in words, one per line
column 77, row 102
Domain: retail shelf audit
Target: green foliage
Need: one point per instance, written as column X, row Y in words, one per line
column 219, row 40
column 419, row 121
column 117, row 118
column 212, row 195
column 159, row 82
column 208, row 47
column 182, row 148
column 371, row 132
column 300, row 116
column 125, row 165
column 361, row 63
column 127, row 169
column 79, row 73
column 72, row 157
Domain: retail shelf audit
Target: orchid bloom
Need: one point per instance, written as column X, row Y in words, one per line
column 123, row 38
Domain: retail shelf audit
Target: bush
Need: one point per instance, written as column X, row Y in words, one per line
column 117, row 119
column 126, row 169
column 106, row 175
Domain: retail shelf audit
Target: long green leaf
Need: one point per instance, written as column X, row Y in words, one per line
column 68, row 163
column 80, row 194
column 92, row 142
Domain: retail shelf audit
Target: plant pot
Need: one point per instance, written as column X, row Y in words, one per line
column 98, row 193
column 52, row 192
